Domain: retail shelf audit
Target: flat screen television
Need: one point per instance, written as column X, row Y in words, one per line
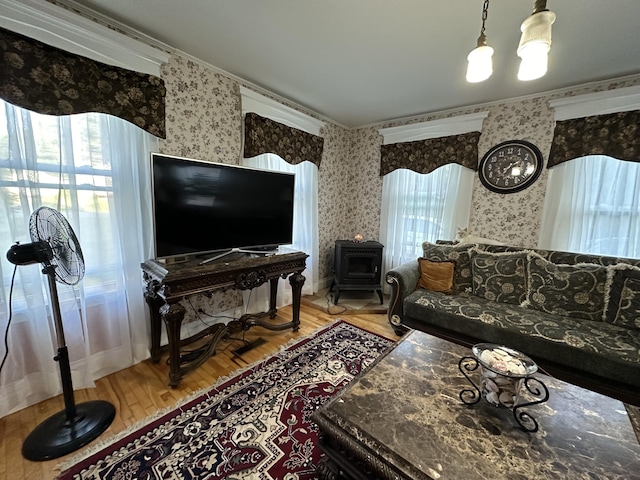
column 202, row 207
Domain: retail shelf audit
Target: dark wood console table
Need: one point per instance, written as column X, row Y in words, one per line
column 167, row 284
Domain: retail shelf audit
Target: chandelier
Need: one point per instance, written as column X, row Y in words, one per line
column 533, row 48
column 480, row 64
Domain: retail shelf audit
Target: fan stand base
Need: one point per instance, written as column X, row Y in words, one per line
column 58, row 436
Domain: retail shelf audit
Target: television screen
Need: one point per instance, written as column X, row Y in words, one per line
column 201, row 207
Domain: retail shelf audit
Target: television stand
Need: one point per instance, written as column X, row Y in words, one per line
column 238, row 250
column 166, row 285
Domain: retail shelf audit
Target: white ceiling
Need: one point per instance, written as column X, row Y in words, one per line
column 360, row 62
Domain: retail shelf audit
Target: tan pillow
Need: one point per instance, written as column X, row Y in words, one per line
column 436, row 276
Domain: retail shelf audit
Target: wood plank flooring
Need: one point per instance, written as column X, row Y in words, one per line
column 141, row 390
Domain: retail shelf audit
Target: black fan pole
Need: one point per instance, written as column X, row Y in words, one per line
column 63, row 353
column 66, row 431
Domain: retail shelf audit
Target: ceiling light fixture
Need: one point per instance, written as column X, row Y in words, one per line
column 480, row 64
column 535, row 42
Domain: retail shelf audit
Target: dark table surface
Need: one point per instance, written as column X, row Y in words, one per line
column 406, row 411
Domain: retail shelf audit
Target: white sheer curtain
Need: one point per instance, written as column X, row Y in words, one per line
column 305, row 225
column 94, row 169
column 592, row 205
column 422, row 207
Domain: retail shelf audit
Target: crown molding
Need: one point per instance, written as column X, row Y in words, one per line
column 560, row 92
column 598, row 103
column 69, row 31
column 443, row 127
column 266, row 107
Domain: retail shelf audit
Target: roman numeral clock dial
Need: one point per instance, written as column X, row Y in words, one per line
column 510, row 166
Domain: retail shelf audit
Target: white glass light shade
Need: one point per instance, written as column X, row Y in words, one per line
column 480, row 64
column 534, row 61
column 534, row 46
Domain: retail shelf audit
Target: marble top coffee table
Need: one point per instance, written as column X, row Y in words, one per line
column 403, row 419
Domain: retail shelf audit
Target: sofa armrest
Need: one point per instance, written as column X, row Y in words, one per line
column 403, row 280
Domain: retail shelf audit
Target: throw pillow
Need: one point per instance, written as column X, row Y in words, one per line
column 459, row 254
column 436, row 276
column 623, row 306
column 568, row 290
column 500, row 277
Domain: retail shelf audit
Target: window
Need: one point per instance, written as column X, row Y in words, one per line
column 32, row 175
column 305, row 214
column 94, row 169
column 305, row 222
column 422, row 207
column 592, row 205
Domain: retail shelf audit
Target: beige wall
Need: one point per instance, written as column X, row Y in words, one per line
column 204, row 121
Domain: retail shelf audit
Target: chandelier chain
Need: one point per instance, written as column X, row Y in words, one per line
column 485, row 13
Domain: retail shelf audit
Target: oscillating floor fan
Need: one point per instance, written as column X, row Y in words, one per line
column 55, row 246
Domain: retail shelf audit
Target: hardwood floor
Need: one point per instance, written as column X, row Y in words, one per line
column 141, row 390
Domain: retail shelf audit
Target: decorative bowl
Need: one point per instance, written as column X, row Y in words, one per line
column 502, row 371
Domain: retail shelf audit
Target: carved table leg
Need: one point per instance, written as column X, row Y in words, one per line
column 154, row 301
column 297, row 281
column 173, row 315
column 327, row 469
column 273, row 293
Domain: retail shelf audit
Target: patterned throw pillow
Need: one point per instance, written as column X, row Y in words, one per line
column 623, row 306
column 500, row 277
column 568, row 290
column 458, row 254
column 436, row 276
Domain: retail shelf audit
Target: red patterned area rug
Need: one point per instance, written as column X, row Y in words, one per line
column 253, row 426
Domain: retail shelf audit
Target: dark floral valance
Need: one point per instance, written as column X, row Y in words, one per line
column 48, row 80
column 424, row 156
column 615, row 134
column 263, row 135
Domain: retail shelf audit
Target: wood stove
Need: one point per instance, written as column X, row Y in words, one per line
column 357, row 266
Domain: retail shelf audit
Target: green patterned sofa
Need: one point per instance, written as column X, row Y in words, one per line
column 576, row 315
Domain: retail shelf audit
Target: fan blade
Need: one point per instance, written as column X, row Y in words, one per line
column 49, row 225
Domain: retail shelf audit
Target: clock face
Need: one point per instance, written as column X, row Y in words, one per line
column 510, row 166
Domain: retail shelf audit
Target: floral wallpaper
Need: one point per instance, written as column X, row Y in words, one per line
column 203, row 113
column 513, row 218
column 333, row 195
column 204, row 121
column 366, row 199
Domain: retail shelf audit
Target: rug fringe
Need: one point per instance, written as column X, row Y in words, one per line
column 92, row 449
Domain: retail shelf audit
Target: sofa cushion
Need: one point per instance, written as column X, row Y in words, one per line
column 436, row 276
column 570, row 290
column 623, row 305
column 570, row 258
column 459, row 254
column 609, row 351
column 499, row 276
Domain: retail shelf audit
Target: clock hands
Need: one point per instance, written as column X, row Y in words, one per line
column 511, row 165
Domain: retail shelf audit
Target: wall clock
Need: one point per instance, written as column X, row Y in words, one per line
column 510, row 166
